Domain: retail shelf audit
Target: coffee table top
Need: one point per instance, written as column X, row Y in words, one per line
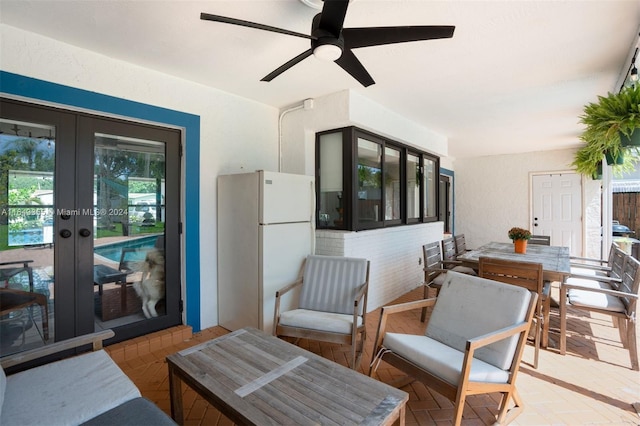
column 255, row 378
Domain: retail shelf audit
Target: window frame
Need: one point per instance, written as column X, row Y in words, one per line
column 351, row 220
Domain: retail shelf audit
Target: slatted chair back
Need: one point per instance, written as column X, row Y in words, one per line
column 432, row 256
column 448, row 250
column 522, row 274
column 542, row 240
column 461, row 244
column 331, row 282
column 630, row 284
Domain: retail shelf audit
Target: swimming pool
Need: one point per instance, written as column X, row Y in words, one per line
column 113, row 251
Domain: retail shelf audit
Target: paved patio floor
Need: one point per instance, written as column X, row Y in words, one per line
column 592, row 384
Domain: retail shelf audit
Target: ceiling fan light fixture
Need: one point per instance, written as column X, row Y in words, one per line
column 316, row 4
column 327, row 52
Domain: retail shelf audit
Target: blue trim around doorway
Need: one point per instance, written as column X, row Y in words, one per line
column 450, row 173
column 43, row 91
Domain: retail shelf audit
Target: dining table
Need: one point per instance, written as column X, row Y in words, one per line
column 554, row 259
column 555, row 262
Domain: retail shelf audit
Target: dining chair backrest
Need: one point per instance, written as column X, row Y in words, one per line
column 432, row 255
column 449, row 249
column 630, row 284
column 543, row 240
column 461, row 244
column 523, row 274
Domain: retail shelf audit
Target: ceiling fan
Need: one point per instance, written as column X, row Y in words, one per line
column 331, row 42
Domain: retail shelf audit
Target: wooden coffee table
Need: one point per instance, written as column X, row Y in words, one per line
column 257, row 379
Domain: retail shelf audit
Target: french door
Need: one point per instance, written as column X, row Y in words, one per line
column 89, row 226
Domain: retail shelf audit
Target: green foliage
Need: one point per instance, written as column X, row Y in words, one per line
column 604, row 120
column 516, row 233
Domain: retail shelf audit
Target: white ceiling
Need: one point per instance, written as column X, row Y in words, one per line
column 514, row 77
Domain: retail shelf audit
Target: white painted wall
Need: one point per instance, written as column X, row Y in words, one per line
column 236, row 134
column 492, row 195
column 395, row 255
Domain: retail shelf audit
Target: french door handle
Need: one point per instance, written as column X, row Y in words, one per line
column 65, row 233
column 84, row 232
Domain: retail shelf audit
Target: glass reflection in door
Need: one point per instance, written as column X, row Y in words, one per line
column 27, row 164
column 129, row 203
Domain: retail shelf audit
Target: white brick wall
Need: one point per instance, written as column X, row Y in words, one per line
column 395, row 255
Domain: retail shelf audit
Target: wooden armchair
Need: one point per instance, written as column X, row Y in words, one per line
column 461, row 244
column 473, row 342
column 617, row 298
column 593, row 265
column 526, row 275
column 332, row 306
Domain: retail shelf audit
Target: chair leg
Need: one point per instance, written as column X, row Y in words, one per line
column 563, row 321
column 423, row 316
column 458, row 409
column 514, row 412
column 632, row 343
column 536, row 341
column 623, row 331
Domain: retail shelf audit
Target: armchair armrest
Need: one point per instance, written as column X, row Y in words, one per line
column 589, row 259
column 393, row 309
column 600, row 278
column 612, row 292
column 360, row 292
column 288, row 288
column 601, row 268
column 95, row 339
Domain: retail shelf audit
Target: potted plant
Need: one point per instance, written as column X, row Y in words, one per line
column 520, row 236
column 612, row 117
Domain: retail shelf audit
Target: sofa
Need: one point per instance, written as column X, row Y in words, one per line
column 85, row 389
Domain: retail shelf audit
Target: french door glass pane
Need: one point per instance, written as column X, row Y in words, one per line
column 369, row 181
column 392, row 183
column 27, row 163
column 129, row 231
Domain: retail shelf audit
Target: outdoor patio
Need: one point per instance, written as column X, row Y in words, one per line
column 592, row 384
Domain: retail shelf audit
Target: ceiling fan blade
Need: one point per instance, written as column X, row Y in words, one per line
column 376, row 36
column 353, row 66
column 240, row 22
column 332, row 16
column 282, row 68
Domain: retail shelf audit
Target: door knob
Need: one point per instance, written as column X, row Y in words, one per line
column 65, row 233
column 84, row 232
column 535, row 224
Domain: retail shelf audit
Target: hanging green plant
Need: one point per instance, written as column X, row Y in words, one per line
column 606, row 120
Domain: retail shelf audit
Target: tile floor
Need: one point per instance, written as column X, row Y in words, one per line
column 592, row 384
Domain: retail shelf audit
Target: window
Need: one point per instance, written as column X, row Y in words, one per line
column 365, row 181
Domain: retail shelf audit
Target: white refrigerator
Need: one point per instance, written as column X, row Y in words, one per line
column 265, row 231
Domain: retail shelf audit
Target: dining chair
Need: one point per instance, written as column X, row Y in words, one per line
column 439, row 258
column 461, row 244
column 527, row 275
column 473, row 342
column 543, row 240
column 332, row 306
column 594, row 265
column 615, row 298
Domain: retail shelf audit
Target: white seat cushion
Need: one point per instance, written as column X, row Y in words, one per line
column 590, row 299
column 464, row 270
column 316, row 320
column 440, row 359
column 67, row 392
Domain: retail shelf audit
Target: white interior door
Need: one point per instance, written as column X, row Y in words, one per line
column 557, row 209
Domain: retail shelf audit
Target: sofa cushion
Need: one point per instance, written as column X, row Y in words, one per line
column 135, row 412
column 440, row 359
column 323, row 321
column 66, row 392
column 469, row 307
